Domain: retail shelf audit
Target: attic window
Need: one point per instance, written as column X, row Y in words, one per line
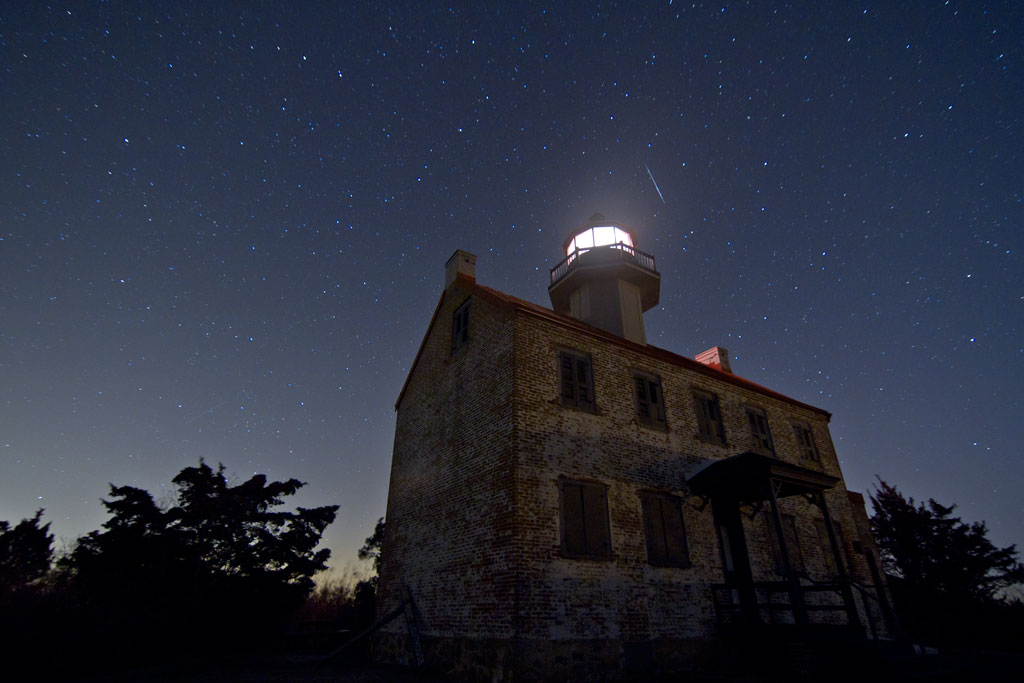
column 460, row 327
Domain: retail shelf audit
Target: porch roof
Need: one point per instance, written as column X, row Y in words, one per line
column 746, row 478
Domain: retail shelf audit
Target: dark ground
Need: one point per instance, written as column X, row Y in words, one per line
column 954, row 668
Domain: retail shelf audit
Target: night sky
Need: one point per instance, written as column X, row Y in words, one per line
column 223, row 226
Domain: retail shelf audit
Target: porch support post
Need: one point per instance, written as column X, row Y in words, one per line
column 844, row 581
column 796, row 598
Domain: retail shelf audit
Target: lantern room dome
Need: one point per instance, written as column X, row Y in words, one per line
column 597, row 232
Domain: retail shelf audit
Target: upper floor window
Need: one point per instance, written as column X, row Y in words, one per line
column 584, row 513
column 759, row 431
column 460, row 326
column 805, row 441
column 577, row 380
column 709, row 417
column 663, row 525
column 650, row 403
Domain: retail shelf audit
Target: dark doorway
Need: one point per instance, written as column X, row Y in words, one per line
column 735, row 558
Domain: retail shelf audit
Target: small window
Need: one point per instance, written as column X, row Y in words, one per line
column 709, row 417
column 584, row 511
column 759, row 431
column 796, row 557
column 805, row 441
column 666, row 534
column 650, row 403
column 460, row 327
column 577, row 380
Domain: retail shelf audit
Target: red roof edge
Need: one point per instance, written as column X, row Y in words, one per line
column 508, row 301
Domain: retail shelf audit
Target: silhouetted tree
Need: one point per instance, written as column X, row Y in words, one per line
column 220, row 561
column 926, row 545
column 365, row 592
column 26, row 552
column 371, row 548
column 945, row 573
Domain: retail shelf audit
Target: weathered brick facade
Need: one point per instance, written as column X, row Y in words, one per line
column 474, row 531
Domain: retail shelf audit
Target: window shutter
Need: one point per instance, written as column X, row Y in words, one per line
column 658, row 400
column 568, row 382
column 595, row 521
column 574, row 538
column 643, row 407
column 759, row 430
column 717, row 419
column 585, row 400
column 675, row 534
column 703, row 418
column 654, row 530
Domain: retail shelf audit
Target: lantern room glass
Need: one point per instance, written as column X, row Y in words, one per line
column 598, row 236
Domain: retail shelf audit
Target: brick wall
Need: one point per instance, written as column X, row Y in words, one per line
column 449, row 520
column 627, row 598
column 473, row 525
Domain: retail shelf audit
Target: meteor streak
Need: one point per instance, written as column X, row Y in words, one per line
column 655, row 182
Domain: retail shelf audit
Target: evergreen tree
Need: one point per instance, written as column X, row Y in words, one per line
column 946, row 576
column 221, row 561
column 26, row 552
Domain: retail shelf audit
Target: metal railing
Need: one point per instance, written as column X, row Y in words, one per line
column 728, row 607
column 767, row 592
column 628, row 253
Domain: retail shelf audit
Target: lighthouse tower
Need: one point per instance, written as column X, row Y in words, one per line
column 604, row 280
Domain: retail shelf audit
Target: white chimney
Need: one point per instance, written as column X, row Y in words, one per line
column 461, row 263
column 716, row 357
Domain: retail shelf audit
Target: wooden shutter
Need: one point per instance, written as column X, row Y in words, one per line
column 759, row 430
column 657, row 399
column 700, row 401
column 585, row 398
column 716, row 419
column 676, row 552
column 643, row 406
column 573, row 536
column 568, row 382
column 665, row 531
column 595, row 521
column 654, row 529
column 805, row 439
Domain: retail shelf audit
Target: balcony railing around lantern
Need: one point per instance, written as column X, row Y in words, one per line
column 631, row 254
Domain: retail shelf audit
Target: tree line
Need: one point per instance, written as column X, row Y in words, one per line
column 952, row 587
column 218, row 569
column 221, row 568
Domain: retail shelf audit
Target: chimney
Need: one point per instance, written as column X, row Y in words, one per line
column 716, row 357
column 461, row 263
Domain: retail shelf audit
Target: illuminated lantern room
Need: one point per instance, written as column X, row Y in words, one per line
column 604, row 280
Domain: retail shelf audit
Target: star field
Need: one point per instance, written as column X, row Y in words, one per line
column 223, row 228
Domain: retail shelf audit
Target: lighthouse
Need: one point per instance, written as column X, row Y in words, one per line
column 604, row 280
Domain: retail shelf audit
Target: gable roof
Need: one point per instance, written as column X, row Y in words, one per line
column 518, row 305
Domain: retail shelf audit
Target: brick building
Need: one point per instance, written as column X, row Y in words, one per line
column 567, row 500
